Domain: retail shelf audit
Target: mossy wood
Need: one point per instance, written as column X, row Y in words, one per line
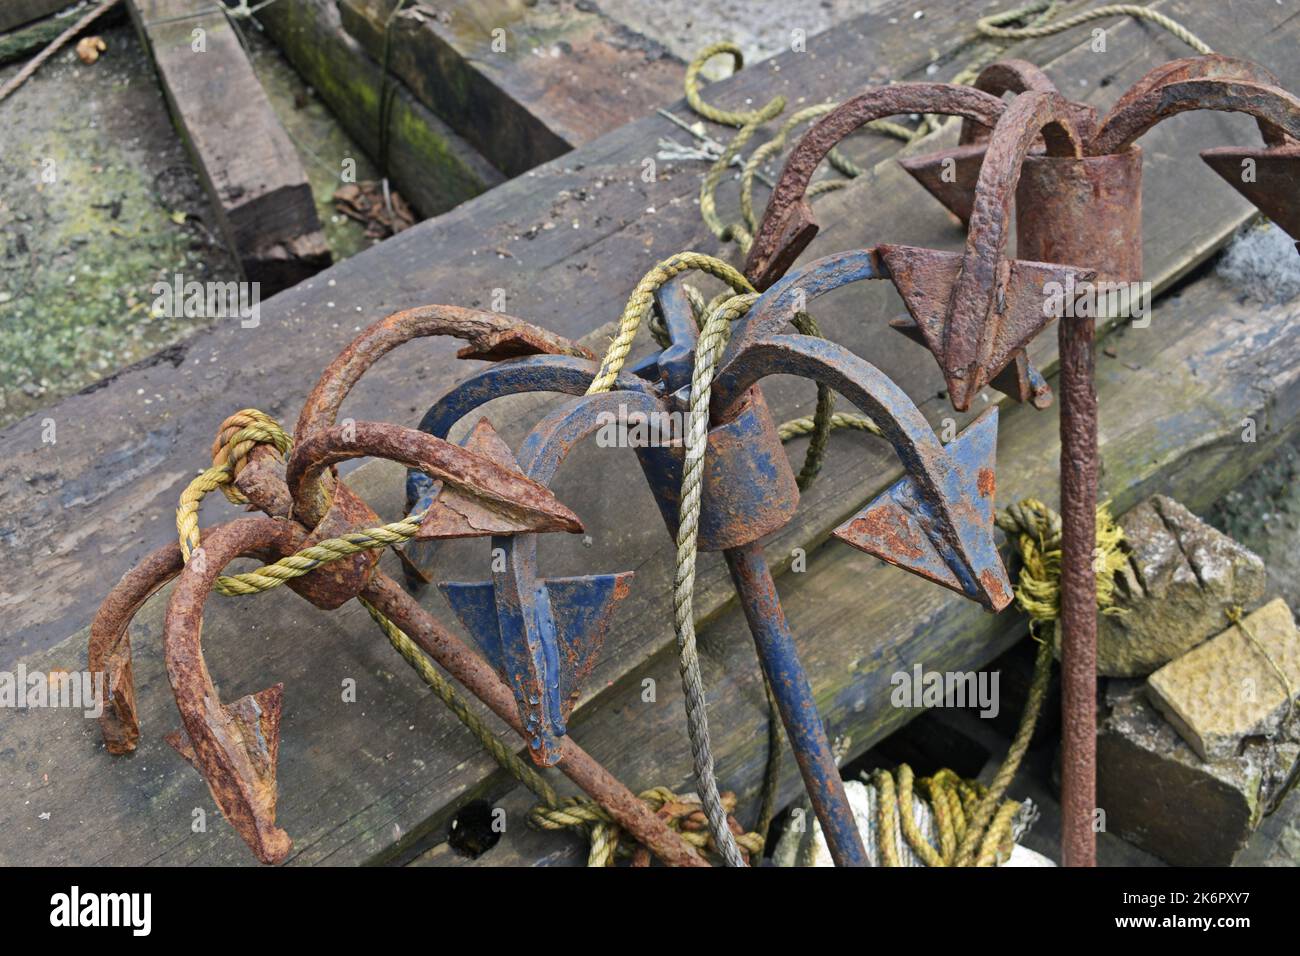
column 428, row 163
column 524, row 82
column 249, row 166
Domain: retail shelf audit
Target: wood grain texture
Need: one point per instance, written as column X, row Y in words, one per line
column 524, row 82
column 378, row 779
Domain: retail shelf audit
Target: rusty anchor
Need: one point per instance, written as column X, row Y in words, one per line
column 1085, row 208
column 978, row 310
column 1268, row 176
column 235, row 746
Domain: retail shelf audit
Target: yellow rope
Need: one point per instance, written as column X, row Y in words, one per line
column 641, row 301
column 994, row 26
column 249, row 428
column 1037, row 534
column 310, row 558
column 238, row 436
column 975, row 823
column 953, row 804
column 608, row 840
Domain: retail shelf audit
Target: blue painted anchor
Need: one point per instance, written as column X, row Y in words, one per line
column 935, row 522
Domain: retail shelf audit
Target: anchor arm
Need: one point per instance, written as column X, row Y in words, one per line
column 789, row 224
column 980, row 326
column 233, row 745
column 1278, row 110
column 491, row 336
column 939, row 517
column 508, row 501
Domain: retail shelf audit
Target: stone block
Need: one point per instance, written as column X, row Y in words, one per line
column 1181, row 577
column 1225, row 691
column 1158, row 794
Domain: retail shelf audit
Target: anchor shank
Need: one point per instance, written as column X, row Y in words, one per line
column 1080, row 211
column 794, row 699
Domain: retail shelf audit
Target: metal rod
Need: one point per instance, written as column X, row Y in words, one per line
column 794, row 698
column 1078, row 620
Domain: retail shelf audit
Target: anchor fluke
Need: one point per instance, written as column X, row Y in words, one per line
column 546, row 677
column 247, row 734
column 900, row 529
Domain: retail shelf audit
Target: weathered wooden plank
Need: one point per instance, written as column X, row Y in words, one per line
column 524, row 82
column 432, row 166
column 14, row 13
column 83, row 508
column 248, row 165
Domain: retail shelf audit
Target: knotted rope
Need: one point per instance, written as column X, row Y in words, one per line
column 682, row 813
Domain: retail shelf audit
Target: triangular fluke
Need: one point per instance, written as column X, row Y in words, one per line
column 900, row 529
column 926, row 279
column 458, row 514
column 475, row 607
column 1269, row 178
column 950, row 176
column 582, row 609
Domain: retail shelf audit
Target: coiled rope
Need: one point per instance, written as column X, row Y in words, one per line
column 975, row 824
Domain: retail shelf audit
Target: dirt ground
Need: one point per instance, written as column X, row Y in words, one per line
column 99, row 200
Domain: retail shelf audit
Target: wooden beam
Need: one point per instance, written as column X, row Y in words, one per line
column 524, row 82
column 248, row 165
column 15, row 13
column 432, row 167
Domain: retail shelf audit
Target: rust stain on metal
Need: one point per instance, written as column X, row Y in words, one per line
column 517, row 501
column 234, row 746
column 886, row 525
column 110, row 644
column 789, row 224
